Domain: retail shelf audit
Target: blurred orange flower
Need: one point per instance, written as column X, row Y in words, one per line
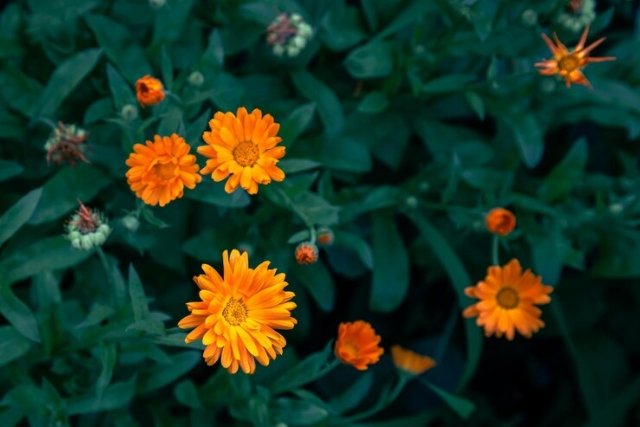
column 357, row 344
column 500, row 221
column 569, row 65
column 239, row 312
column 306, row 253
column 149, row 91
column 159, row 170
column 410, row 361
column 244, row 146
column 507, row 301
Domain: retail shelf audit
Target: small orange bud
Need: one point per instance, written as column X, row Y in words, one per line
column 306, row 253
column 325, row 236
column 500, row 221
column 149, row 91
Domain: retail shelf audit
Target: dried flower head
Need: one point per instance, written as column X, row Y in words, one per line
column 87, row 228
column 358, row 345
column 306, row 253
column 239, row 312
column 244, row 148
column 149, row 91
column 577, row 14
column 66, row 145
column 159, row 170
column 500, row 221
column 508, row 299
column 410, row 361
column 569, row 65
column 288, row 34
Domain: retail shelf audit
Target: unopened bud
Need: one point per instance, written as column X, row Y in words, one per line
column 306, row 253
column 129, row 112
column 325, row 236
column 529, row 17
column 196, row 78
column 131, row 223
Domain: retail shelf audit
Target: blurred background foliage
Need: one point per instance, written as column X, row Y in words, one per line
column 405, row 121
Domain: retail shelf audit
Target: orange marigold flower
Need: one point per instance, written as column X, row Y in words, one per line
column 159, row 170
column 500, row 221
column 507, row 301
column 244, row 146
column 149, row 91
column 239, row 312
column 569, row 65
column 306, row 253
column 410, row 361
column 357, row 344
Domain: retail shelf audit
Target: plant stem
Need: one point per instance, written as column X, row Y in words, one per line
column 494, row 250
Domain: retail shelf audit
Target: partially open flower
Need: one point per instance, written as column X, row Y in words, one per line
column 358, row 345
column 87, row 228
column 149, row 91
column 288, row 34
column 500, row 221
column 410, row 361
column 66, row 145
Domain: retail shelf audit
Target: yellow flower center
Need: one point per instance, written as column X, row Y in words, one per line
column 508, row 298
column 164, row 170
column 569, row 63
column 246, row 153
column 235, row 312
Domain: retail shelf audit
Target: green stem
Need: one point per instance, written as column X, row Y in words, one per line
column 312, row 233
column 494, row 250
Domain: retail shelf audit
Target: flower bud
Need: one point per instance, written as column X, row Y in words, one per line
column 529, row 17
column 325, row 236
column 196, row 79
column 131, row 223
column 306, row 253
column 129, row 112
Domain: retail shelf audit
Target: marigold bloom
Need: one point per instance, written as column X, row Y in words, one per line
column 149, row 91
column 159, row 170
column 507, row 297
column 569, row 65
column 357, row 344
column 245, row 147
column 410, row 361
column 306, row 253
column 239, row 312
column 500, row 221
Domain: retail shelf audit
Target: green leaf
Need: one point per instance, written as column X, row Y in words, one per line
column 187, row 394
column 170, row 20
column 9, row 169
column 299, row 237
column 228, row 92
column 52, row 253
column 99, row 110
column 357, row 244
column 303, row 372
column 61, row 193
column 346, row 154
column 115, row 396
column 463, row 407
column 139, row 302
column 167, row 69
column 341, row 27
column 121, row 91
column 297, row 165
column 354, row 394
column 18, row 90
column 448, row 83
column 391, row 275
column 213, row 193
column 318, row 282
column 116, row 39
column 159, row 375
column 374, row 102
column 18, row 314
column 297, row 412
column 528, row 136
column 64, row 80
column 476, row 103
column 315, row 209
column 327, row 102
column 566, row 174
column 373, row 60
column 18, row 214
column 13, row 345
column 296, row 123
column 107, row 356
column 459, row 280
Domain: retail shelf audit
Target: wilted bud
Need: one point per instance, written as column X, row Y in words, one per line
column 288, row 34
column 66, row 145
column 306, row 253
column 87, row 228
column 577, row 14
column 129, row 112
column 325, row 236
column 196, row 78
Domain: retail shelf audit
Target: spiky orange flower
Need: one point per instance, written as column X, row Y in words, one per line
column 507, row 297
column 410, row 361
column 569, row 65
column 239, row 312
column 500, row 221
column 357, row 344
column 149, row 91
column 244, row 146
column 159, row 170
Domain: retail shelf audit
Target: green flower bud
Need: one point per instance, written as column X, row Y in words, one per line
column 129, row 112
column 131, row 223
column 196, row 78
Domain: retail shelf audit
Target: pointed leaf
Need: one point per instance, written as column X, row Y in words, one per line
column 18, row 214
